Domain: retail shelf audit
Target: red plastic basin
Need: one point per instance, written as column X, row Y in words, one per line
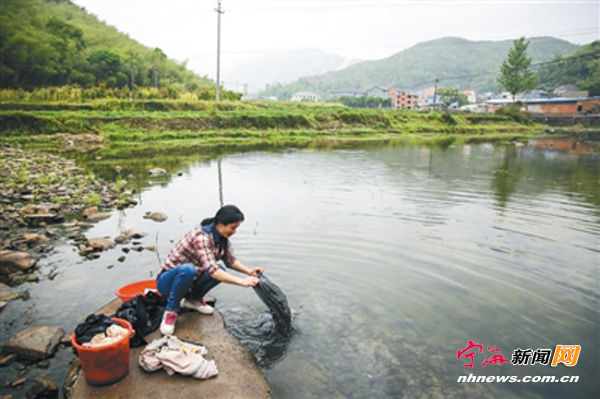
column 129, row 291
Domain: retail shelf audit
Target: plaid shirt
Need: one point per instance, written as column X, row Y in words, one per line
column 199, row 249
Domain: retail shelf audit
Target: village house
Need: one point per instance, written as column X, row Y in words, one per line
column 378, row 91
column 553, row 106
column 570, row 91
column 305, row 96
column 471, row 95
column 403, row 99
column 348, row 93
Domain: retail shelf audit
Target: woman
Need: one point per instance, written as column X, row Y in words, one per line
column 191, row 269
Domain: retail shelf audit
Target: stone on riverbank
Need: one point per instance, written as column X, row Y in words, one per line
column 96, row 217
column 43, row 390
column 156, row 216
column 8, row 359
column 100, row 244
column 131, row 233
column 7, row 296
column 35, row 342
column 15, row 261
column 155, row 172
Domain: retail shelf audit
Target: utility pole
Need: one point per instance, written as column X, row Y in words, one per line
column 219, row 12
column 435, row 95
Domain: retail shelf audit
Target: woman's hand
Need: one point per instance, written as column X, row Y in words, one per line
column 250, row 282
column 255, row 271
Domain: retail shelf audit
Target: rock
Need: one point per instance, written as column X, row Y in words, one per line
column 34, row 237
column 135, row 233
column 100, row 244
column 50, row 232
column 90, row 211
column 35, row 342
column 3, row 305
column 96, row 217
column 155, row 172
column 151, row 248
column 40, row 209
column 44, row 364
column 137, row 248
column 121, row 239
column 121, row 258
column 7, row 296
column 13, row 261
column 8, row 359
column 43, row 218
column 156, row 216
column 18, row 382
column 43, row 390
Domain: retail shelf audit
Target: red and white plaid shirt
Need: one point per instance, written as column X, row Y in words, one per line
column 199, row 249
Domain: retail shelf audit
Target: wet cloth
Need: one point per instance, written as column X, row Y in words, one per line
column 93, row 325
column 113, row 334
column 175, row 356
column 144, row 313
column 203, row 248
column 276, row 301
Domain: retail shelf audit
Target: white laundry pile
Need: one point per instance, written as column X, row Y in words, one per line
column 113, row 334
column 175, row 356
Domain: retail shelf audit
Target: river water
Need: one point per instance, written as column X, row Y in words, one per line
column 392, row 258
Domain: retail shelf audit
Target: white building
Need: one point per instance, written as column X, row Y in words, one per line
column 305, row 96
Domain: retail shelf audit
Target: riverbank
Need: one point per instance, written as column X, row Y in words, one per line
column 44, row 197
column 115, row 122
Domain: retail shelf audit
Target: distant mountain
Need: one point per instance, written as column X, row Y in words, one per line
column 283, row 68
column 453, row 61
column 56, row 42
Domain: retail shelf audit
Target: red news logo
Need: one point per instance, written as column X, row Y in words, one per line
column 566, row 354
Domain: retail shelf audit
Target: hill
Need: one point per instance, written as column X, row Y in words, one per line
column 454, row 61
column 581, row 68
column 55, row 42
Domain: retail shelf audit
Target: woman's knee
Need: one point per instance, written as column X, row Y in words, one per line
column 186, row 271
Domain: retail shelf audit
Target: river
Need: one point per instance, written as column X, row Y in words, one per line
column 392, row 258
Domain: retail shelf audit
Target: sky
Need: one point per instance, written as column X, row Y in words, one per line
column 353, row 29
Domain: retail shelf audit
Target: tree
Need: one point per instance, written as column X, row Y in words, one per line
column 450, row 95
column 515, row 75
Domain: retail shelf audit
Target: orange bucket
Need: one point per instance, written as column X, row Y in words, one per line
column 129, row 291
column 105, row 364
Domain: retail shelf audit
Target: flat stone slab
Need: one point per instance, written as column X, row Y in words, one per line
column 35, row 342
column 239, row 377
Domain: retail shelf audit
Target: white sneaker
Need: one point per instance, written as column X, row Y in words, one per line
column 167, row 326
column 198, row 306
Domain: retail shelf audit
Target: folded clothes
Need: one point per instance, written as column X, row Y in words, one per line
column 113, row 334
column 175, row 356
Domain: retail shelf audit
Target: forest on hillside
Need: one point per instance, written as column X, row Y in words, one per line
column 581, row 68
column 55, row 42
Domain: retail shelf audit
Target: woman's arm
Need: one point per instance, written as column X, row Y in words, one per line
column 239, row 266
column 225, row 277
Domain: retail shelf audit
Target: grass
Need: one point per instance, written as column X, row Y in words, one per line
column 122, row 121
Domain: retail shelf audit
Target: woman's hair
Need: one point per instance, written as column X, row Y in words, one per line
column 226, row 215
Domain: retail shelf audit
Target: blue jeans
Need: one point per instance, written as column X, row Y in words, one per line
column 179, row 282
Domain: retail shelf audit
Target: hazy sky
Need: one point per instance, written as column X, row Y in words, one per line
column 364, row 29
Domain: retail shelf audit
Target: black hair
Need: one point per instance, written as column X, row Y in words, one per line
column 226, row 215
